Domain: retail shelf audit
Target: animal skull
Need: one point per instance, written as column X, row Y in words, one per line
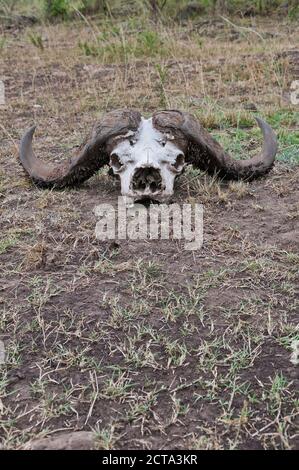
column 147, row 162
column 147, row 154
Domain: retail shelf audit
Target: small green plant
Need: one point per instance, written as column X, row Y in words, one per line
column 150, row 42
column 294, row 12
column 57, row 8
column 89, row 49
column 2, row 43
column 7, row 243
column 37, row 40
column 63, row 9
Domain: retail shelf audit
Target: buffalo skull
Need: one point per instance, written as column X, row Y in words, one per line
column 147, row 154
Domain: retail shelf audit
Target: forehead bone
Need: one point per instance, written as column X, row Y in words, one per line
column 163, row 123
column 118, row 138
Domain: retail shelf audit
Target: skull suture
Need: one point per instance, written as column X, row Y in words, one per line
column 147, row 162
column 147, row 154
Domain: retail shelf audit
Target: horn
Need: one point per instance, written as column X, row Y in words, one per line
column 204, row 152
column 88, row 158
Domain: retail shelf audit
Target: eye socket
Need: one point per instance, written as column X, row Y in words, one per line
column 132, row 142
column 115, row 162
column 163, row 142
column 179, row 162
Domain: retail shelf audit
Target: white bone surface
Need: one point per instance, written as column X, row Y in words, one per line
column 147, row 148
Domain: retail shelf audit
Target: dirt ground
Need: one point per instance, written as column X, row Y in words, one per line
column 142, row 344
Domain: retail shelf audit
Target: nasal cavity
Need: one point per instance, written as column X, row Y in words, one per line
column 147, row 180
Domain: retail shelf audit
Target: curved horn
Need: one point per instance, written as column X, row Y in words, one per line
column 204, row 152
column 87, row 159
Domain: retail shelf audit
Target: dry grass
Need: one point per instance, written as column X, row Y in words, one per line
column 142, row 343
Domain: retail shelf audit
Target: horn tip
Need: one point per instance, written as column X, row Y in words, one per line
column 31, row 130
column 28, row 134
column 260, row 121
column 269, row 136
column 25, row 151
column 263, row 125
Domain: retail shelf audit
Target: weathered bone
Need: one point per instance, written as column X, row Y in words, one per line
column 146, row 157
column 147, row 154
